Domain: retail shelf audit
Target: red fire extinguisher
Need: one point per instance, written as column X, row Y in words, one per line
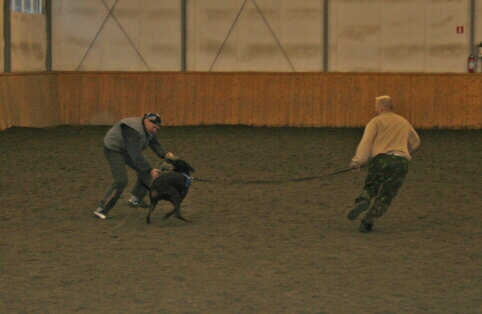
column 471, row 64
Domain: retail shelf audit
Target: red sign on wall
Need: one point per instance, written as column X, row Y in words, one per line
column 460, row 29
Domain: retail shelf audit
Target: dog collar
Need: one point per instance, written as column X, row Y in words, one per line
column 188, row 179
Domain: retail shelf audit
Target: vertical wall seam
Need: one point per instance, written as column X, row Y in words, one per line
column 325, row 35
column 472, row 26
column 48, row 16
column 183, row 36
column 7, row 35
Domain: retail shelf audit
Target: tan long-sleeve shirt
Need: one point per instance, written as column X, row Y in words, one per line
column 387, row 133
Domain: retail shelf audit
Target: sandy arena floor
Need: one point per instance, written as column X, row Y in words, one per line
column 283, row 247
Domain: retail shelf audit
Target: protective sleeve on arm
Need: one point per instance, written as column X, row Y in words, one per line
column 157, row 148
column 134, row 150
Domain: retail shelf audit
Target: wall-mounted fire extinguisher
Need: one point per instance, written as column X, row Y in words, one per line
column 471, row 64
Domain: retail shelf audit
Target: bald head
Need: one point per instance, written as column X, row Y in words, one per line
column 385, row 102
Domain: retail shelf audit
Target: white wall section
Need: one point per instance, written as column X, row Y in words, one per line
column 250, row 35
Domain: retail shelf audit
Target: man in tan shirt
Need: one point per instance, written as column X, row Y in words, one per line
column 386, row 145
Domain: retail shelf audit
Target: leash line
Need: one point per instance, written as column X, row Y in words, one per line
column 123, row 222
column 309, row 178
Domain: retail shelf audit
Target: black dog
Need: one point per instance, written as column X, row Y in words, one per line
column 172, row 187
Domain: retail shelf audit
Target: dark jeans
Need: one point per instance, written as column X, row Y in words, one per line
column 385, row 177
column 117, row 163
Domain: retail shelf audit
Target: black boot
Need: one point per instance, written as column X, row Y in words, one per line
column 359, row 208
column 365, row 227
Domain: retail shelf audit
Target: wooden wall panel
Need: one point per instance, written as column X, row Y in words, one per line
column 257, row 99
column 29, row 100
column 423, row 110
column 87, row 98
column 472, row 107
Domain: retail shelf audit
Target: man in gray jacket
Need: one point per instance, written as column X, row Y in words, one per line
column 123, row 145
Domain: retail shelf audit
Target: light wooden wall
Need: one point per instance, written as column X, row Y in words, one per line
column 29, row 100
column 256, row 99
column 272, row 99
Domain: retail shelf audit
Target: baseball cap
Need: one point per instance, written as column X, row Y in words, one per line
column 153, row 118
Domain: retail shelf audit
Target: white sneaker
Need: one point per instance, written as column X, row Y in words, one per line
column 100, row 213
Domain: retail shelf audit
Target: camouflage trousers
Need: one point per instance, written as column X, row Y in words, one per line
column 386, row 174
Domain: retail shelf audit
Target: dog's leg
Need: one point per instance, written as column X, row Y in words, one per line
column 179, row 216
column 169, row 214
column 177, row 211
column 151, row 209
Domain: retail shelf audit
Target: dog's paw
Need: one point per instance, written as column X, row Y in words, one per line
column 181, row 218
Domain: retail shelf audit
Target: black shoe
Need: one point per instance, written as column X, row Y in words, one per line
column 100, row 213
column 359, row 208
column 365, row 227
column 140, row 203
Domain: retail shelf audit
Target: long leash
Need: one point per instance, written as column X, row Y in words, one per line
column 309, row 178
column 111, row 234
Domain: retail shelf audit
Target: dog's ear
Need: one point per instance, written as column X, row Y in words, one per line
column 171, row 159
column 187, row 166
column 184, row 165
